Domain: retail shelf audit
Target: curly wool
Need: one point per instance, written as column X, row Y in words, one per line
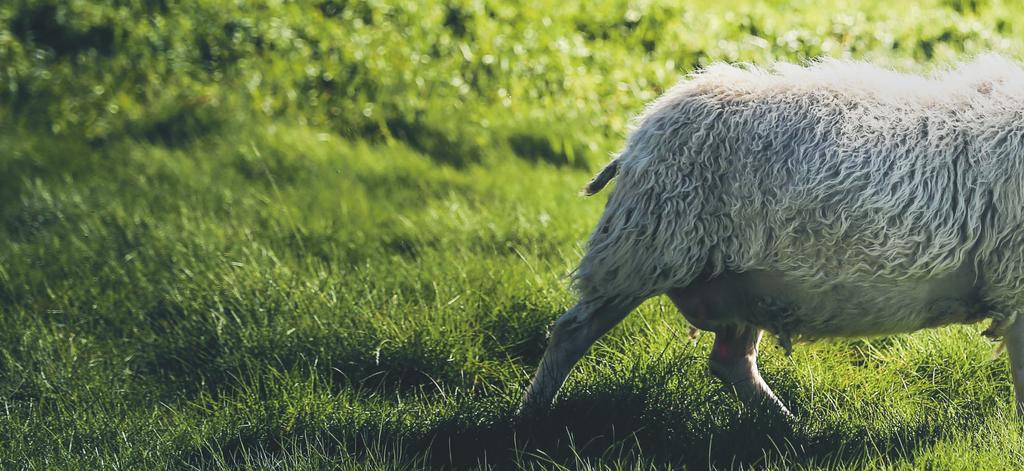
column 836, row 172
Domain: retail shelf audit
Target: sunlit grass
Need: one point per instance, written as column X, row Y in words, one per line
column 202, row 268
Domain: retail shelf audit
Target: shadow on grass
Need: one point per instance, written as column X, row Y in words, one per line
column 612, row 421
column 600, row 430
column 696, row 429
column 188, row 366
column 190, row 348
column 614, row 432
column 658, row 411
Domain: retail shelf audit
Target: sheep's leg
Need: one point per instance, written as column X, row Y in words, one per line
column 1014, row 338
column 570, row 338
column 734, row 361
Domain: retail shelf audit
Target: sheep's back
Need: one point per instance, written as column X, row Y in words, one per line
column 808, row 173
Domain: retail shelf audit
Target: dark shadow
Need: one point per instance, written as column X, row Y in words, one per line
column 620, row 423
column 43, row 26
column 550, row 149
column 440, row 145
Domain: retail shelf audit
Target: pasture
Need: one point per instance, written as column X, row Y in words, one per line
column 332, row 234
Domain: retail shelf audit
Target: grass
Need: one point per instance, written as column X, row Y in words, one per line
column 333, row 234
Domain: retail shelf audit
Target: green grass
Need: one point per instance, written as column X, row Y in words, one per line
column 333, row 234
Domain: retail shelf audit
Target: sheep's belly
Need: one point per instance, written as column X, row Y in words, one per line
column 861, row 310
column 850, row 310
column 790, row 307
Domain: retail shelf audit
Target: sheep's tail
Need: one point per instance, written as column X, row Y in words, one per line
column 602, row 178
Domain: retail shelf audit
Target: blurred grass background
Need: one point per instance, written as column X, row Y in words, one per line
column 333, row 233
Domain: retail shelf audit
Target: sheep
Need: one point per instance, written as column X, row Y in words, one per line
column 831, row 199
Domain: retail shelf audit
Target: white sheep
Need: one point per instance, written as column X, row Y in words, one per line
column 836, row 199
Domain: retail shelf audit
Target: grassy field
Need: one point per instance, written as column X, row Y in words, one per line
column 333, row 234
